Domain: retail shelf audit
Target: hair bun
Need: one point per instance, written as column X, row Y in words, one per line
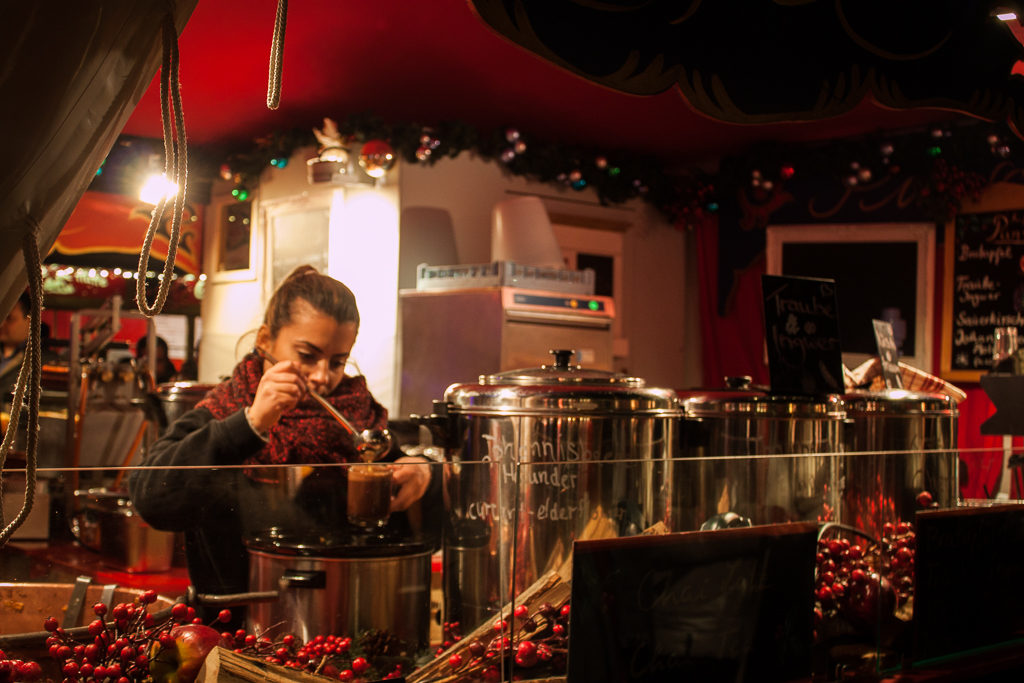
column 302, row 271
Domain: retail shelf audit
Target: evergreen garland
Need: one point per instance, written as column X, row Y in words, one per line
column 946, row 164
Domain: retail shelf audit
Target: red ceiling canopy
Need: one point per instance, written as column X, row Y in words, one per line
column 438, row 61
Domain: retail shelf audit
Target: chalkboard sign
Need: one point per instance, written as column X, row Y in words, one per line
column 968, row 591
column 726, row 605
column 983, row 281
column 801, row 320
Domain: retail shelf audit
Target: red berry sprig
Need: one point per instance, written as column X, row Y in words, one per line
column 12, row 670
column 535, row 640
column 899, row 549
column 329, row 655
column 120, row 641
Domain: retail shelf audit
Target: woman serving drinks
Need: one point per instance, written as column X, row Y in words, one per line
column 215, row 473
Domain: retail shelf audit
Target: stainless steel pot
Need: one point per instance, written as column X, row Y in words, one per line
column 177, row 398
column 538, row 458
column 106, row 521
column 900, row 443
column 338, row 585
column 758, row 455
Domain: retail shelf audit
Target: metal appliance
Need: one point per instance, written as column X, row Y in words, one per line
column 456, row 335
column 759, row 455
column 538, row 458
column 900, row 443
column 341, row 584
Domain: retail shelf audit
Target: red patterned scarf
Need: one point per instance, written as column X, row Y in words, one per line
column 307, row 433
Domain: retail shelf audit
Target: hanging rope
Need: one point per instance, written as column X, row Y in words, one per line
column 175, row 164
column 28, row 377
column 276, row 55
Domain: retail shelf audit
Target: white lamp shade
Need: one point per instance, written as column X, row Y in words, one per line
column 521, row 232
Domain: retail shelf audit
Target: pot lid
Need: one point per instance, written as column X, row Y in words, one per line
column 334, row 543
column 741, row 397
column 562, row 371
column 183, row 391
column 560, row 389
column 898, row 402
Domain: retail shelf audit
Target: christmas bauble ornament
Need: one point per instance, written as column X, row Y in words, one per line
column 574, row 176
column 225, row 172
column 519, row 147
column 511, row 134
column 376, row 158
column 601, row 163
column 422, row 153
column 508, row 155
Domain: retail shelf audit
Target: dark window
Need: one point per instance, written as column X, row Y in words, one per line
column 604, row 272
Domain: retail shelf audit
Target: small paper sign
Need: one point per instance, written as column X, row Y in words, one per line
column 888, row 353
column 801, row 321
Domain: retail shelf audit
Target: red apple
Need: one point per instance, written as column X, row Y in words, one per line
column 181, row 662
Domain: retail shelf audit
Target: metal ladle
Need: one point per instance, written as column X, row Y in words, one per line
column 370, row 444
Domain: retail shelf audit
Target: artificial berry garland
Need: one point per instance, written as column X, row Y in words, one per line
column 133, row 645
column 536, row 641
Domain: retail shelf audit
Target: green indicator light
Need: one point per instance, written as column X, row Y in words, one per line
column 593, row 305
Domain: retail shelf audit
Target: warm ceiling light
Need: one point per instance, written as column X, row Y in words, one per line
column 1006, row 16
column 157, row 187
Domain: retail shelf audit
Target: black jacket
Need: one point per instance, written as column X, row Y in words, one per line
column 184, row 485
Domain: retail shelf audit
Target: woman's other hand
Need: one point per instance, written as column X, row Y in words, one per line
column 412, row 477
column 279, row 390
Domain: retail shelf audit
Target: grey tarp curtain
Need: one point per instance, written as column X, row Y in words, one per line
column 70, row 75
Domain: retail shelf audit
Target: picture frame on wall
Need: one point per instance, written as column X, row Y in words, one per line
column 234, row 254
column 883, row 271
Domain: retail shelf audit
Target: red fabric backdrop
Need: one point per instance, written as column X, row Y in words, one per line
column 733, row 344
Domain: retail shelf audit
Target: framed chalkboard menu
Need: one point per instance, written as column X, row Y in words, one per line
column 983, row 280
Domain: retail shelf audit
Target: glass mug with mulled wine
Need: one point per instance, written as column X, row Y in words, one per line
column 369, row 495
column 1007, row 355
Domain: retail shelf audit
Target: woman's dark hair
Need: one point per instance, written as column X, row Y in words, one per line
column 323, row 293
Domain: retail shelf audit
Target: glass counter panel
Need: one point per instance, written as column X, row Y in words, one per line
column 486, row 556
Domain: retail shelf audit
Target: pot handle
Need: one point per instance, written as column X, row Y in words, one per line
column 439, row 423
column 299, row 578
column 193, row 597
